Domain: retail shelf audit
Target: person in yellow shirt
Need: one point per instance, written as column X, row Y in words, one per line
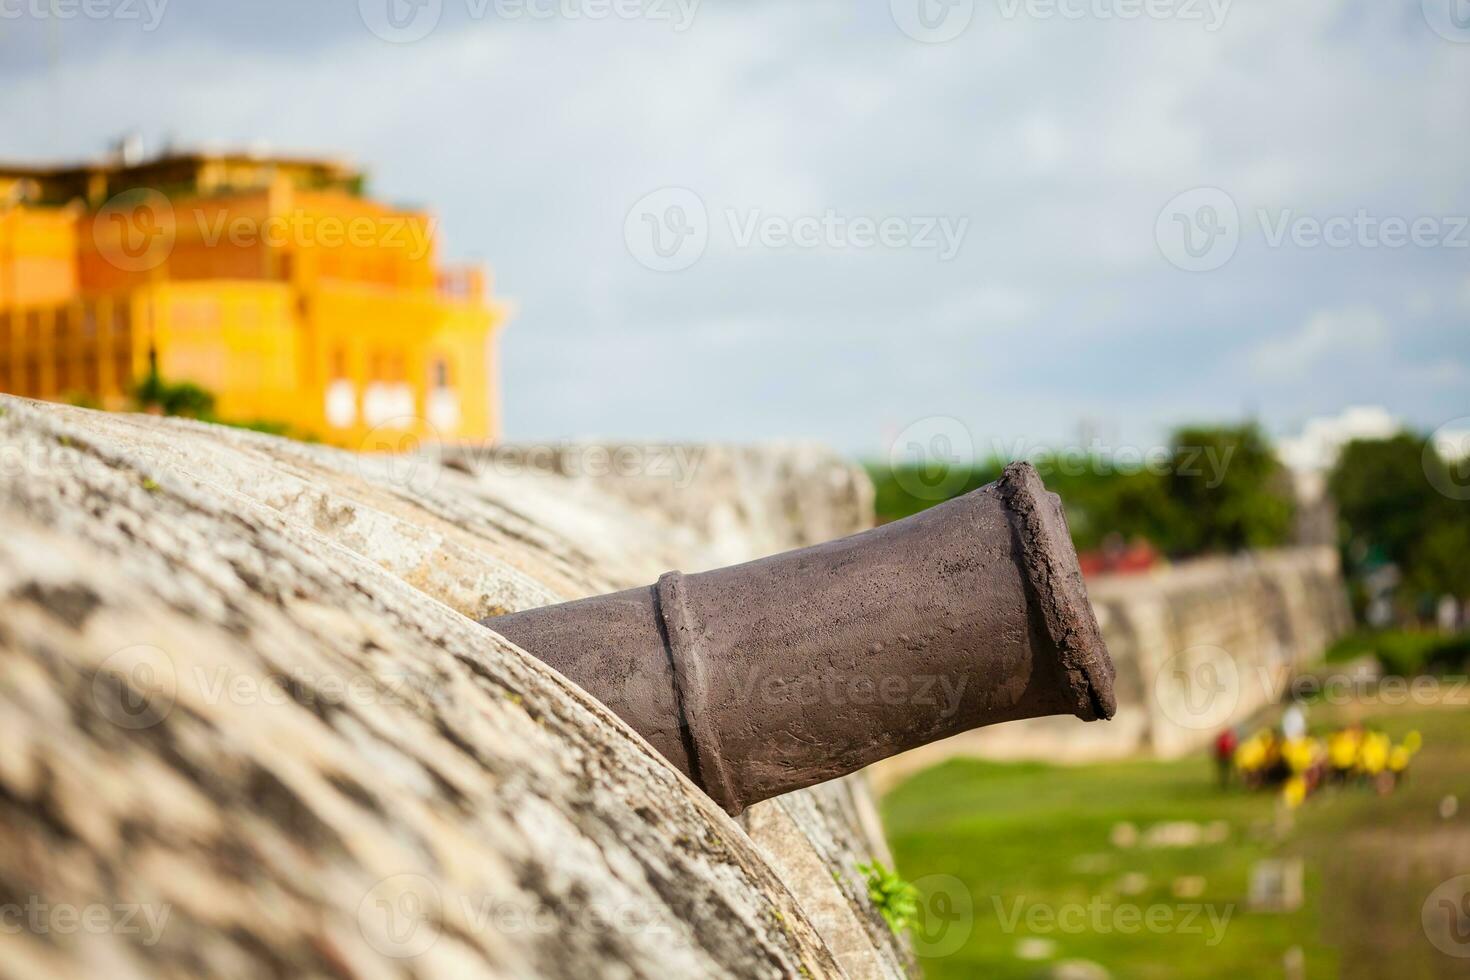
column 1373, row 756
column 1400, row 755
column 1300, row 753
column 1294, row 792
column 1251, row 758
column 1342, row 751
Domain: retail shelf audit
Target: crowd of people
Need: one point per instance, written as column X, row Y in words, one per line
column 1299, row 764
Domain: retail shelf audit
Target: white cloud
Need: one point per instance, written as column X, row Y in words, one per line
column 1442, row 373
column 1325, row 334
column 1452, row 444
column 987, row 306
column 1316, row 447
column 1060, row 140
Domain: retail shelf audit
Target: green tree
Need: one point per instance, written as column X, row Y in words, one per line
column 1388, row 505
column 1229, row 488
column 1382, row 494
column 1221, row 489
column 170, row 398
column 1102, row 502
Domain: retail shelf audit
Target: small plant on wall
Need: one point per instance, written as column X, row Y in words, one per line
column 891, row 895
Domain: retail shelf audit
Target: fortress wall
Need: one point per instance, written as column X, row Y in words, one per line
column 246, row 704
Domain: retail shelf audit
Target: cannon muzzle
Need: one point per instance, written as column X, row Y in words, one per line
column 775, row 674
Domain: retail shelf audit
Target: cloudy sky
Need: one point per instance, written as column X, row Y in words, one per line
column 739, row 219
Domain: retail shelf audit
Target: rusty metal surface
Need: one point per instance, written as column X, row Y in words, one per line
column 764, row 677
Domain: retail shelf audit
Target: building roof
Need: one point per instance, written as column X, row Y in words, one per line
column 201, row 171
column 174, row 158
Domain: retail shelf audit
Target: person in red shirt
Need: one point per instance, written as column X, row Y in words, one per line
column 1225, row 755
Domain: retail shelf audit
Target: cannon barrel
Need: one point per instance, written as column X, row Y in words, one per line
column 764, row 677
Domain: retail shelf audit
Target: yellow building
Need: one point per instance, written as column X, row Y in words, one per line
column 272, row 283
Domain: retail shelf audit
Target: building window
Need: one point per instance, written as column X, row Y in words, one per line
column 341, row 406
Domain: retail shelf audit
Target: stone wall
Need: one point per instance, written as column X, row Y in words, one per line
column 252, row 729
column 1198, row 646
column 723, row 504
column 719, row 505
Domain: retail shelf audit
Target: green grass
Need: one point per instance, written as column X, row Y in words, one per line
column 1405, row 653
column 1031, row 839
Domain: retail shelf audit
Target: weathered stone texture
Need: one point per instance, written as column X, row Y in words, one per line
column 815, row 840
column 241, row 699
column 724, row 504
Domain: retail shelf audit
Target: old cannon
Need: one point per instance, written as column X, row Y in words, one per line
column 764, row 677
